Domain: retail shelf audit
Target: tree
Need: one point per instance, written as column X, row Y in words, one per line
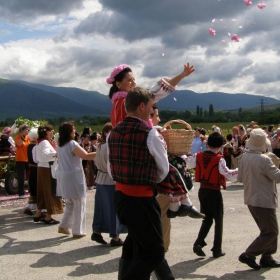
column 197, row 110
column 211, row 110
column 200, row 112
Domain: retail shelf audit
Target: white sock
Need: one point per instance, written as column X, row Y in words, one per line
column 186, row 201
column 174, row 206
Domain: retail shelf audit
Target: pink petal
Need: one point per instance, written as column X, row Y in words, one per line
column 261, row 6
column 240, row 26
column 162, row 54
column 231, row 209
column 221, row 19
column 235, row 38
column 174, row 98
column 213, row 20
column 211, row 31
column 248, row 2
column 229, row 34
column 233, row 19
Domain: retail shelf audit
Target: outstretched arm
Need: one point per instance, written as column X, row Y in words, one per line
column 185, row 73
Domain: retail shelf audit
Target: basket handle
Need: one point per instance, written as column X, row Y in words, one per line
column 178, row 121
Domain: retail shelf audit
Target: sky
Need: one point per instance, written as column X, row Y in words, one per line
column 77, row 43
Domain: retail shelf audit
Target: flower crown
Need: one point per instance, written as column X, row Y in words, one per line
column 115, row 72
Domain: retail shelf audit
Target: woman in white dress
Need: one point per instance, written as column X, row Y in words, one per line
column 71, row 181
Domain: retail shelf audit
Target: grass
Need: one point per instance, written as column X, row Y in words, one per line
column 225, row 127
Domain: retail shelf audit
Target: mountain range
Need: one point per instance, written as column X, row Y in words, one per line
column 37, row 101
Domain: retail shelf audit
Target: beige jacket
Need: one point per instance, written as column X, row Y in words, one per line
column 258, row 174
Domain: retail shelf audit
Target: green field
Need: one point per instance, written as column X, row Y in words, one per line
column 225, row 127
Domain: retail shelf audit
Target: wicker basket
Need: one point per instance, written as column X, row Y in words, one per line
column 178, row 141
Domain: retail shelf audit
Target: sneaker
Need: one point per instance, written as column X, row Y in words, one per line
column 21, row 196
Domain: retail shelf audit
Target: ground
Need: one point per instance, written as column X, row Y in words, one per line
column 36, row 251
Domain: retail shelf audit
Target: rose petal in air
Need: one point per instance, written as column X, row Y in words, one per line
column 162, row 54
column 211, row 31
column 248, row 2
column 221, row 19
column 261, row 6
column 240, row 26
column 233, row 19
column 229, row 34
column 213, row 20
column 231, row 209
column 174, row 98
column 235, row 38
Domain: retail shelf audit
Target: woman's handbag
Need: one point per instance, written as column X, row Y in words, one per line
column 54, row 168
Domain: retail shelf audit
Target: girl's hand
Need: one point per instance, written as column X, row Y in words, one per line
column 188, row 70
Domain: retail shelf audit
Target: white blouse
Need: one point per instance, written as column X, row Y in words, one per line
column 45, row 153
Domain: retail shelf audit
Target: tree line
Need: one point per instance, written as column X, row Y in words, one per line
column 199, row 116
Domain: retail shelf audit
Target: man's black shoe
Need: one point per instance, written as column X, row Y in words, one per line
column 198, row 250
column 190, row 211
column 171, row 214
column 270, row 263
column 98, row 238
column 251, row 263
column 219, row 254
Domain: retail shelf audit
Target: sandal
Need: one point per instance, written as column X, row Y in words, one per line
column 51, row 222
column 39, row 219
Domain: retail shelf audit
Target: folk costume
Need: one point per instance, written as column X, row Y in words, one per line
column 211, row 171
column 137, row 162
column 161, row 89
column 88, row 165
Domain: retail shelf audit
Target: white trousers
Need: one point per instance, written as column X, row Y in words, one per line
column 74, row 216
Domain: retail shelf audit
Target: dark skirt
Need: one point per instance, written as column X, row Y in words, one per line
column 105, row 218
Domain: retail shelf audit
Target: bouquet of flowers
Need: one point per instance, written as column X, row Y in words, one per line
column 20, row 121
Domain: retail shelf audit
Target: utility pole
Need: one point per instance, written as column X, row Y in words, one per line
column 262, row 102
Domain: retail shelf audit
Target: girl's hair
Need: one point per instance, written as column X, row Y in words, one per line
column 105, row 130
column 65, row 130
column 42, row 131
column 77, row 134
column 86, row 131
column 118, row 78
column 270, row 127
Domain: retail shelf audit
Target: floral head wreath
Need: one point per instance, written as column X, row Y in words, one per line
column 115, row 72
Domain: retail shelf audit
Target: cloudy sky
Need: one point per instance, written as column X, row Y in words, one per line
column 77, row 43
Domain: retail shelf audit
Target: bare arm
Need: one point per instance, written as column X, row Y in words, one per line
column 186, row 72
column 81, row 153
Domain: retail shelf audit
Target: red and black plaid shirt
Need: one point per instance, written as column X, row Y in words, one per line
column 129, row 156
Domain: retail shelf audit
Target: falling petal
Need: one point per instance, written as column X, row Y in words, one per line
column 233, row 19
column 261, row 6
column 162, row 54
column 226, row 26
column 252, row 23
column 223, row 41
column 211, row 31
column 221, row 19
column 229, row 34
column 213, row 20
column 231, row 209
column 240, row 26
column 248, row 2
column 174, row 98
column 235, row 38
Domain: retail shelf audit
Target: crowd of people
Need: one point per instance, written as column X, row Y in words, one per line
column 140, row 186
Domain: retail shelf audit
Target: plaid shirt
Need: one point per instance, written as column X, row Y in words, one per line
column 130, row 158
